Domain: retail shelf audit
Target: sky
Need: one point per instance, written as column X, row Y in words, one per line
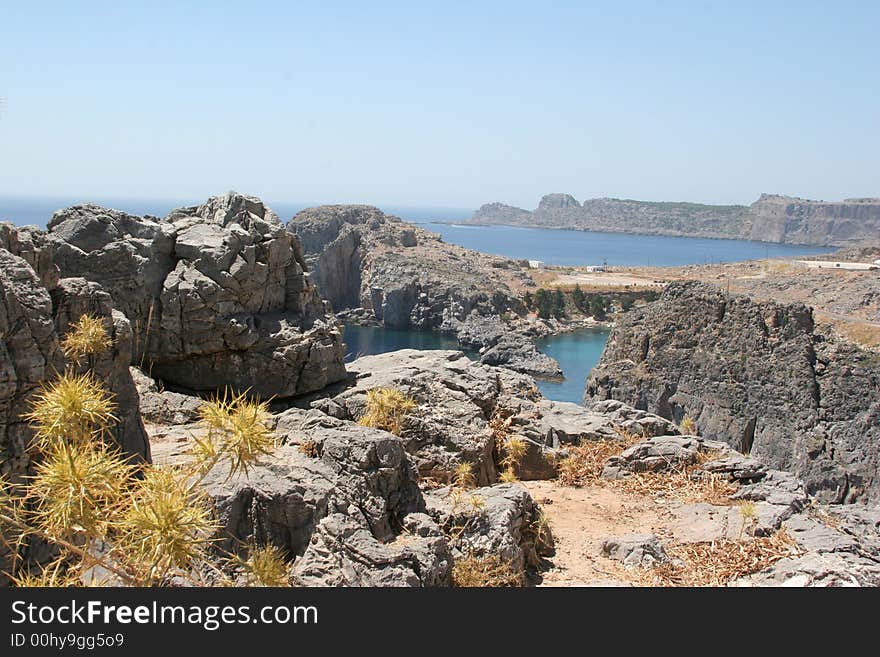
column 440, row 104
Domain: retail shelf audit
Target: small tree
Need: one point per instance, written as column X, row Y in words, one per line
column 558, row 303
column 578, row 298
column 598, row 307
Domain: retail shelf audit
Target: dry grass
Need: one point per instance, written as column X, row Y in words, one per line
column 309, row 448
column 387, row 409
column 587, row 460
column 486, row 571
column 717, row 563
column 681, row 485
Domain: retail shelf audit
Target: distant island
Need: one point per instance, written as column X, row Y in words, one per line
column 772, row 218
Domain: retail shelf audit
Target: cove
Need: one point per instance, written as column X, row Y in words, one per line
column 577, row 352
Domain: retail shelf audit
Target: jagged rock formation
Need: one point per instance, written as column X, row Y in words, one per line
column 771, row 218
column 758, row 376
column 217, row 294
column 33, row 319
column 344, row 501
column 406, row 276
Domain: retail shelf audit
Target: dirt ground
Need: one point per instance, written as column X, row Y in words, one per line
column 581, row 518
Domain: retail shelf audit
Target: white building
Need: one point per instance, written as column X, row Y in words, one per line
column 536, row 264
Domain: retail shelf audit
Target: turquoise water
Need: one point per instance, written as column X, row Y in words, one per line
column 371, row 340
column 576, row 247
column 577, row 352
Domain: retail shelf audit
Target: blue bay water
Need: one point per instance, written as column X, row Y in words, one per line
column 575, row 247
column 371, row 340
column 577, row 352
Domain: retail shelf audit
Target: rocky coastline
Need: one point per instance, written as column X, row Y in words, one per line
column 751, row 427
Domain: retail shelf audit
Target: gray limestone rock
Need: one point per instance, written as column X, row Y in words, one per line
column 217, row 294
column 501, row 520
column 635, row 550
column 757, row 376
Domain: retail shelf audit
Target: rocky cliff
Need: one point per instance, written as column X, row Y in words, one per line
column 217, row 294
column 772, row 218
column 853, row 222
column 403, row 276
column 758, row 376
column 406, row 276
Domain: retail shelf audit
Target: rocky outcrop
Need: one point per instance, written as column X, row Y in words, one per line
column 464, row 409
column 501, row 521
column 33, row 319
column 500, row 213
column 758, row 376
column 217, row 294
column 625, row 216
column 404, row 275
column 771, row 218
column 348, row 513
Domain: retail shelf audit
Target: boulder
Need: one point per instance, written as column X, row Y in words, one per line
column 343, row 552
column 635, row 550
column 501, row 520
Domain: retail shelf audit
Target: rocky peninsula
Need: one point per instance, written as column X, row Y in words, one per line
column 772, row 218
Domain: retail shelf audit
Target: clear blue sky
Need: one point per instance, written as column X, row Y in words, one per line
column 440, row 104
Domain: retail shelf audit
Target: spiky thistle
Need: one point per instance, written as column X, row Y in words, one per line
column 74, row 407
column 167, row 524
column 76, row 488
column 236, row 431
column 266, row 566
column 463, row 476
column 387, row 409
column 87, row 337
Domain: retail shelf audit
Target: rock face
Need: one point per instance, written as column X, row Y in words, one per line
column 853, row 222
column 217, row 294
column 771, row 218
column 28, row 354
column 33, row 319
column 757, row 376
column 404, row 275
